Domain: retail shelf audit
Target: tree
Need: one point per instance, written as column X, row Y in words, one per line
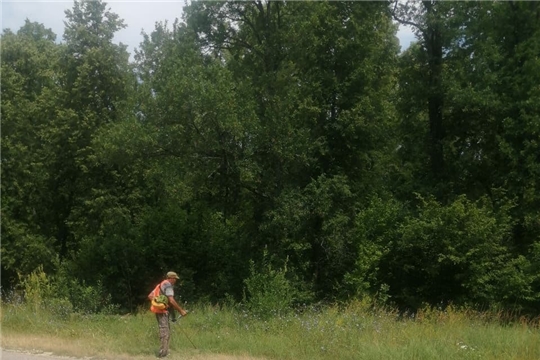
column 29, row 90
column 486, row 99
column 191, row 131
column 432, row 22
column 322, row 79
column 100, row 200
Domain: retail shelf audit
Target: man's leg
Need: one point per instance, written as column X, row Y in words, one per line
column 164, row 334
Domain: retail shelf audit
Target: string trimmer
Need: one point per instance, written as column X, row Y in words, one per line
column 174, row 320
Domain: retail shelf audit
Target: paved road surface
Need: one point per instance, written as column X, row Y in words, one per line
column 20, row 355
column 15, row 355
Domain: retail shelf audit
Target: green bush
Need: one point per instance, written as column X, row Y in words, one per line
column 37, row 288
column 269, row 292
column 59, row 307
column 455, row 253
column 375, row 227
column 63, row 296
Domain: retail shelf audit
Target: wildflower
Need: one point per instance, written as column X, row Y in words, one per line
column 464, row 346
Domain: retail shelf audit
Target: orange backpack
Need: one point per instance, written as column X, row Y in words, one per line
column 157, row 307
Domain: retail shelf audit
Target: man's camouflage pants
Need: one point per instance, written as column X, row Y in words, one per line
column 164, row 333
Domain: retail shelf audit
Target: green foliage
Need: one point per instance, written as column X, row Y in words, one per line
column 376, row 227
column 88, row 299
column 313, row 228
column 37, row 288
column 28, row 90
column 60, row 308
column 456, row 253
column 484, row 131
column 288, row 127
column 268, row 291
column 23, row 251
column 63, row 296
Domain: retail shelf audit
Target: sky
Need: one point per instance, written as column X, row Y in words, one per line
column 138, row 15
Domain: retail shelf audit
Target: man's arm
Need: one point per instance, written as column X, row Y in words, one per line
column 175, row 305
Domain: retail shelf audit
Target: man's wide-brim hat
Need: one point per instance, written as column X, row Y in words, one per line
column 172, row 275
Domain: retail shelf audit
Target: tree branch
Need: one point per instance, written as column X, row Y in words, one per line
column 406, row 22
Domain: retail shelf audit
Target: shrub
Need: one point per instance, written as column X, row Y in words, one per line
column 269, row 292
column 453, row 253
column 64, row 296
column 37, row 287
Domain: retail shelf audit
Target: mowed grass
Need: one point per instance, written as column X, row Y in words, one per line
column 354, row 332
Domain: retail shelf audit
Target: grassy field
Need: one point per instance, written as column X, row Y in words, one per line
column 355, row 332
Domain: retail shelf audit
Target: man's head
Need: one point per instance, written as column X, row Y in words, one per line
column 172, row 276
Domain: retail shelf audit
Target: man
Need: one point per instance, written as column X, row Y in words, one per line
column 161, row 309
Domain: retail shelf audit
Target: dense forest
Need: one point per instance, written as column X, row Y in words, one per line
column 283, row 144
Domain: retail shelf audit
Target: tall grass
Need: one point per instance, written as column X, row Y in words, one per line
column 354, row 332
